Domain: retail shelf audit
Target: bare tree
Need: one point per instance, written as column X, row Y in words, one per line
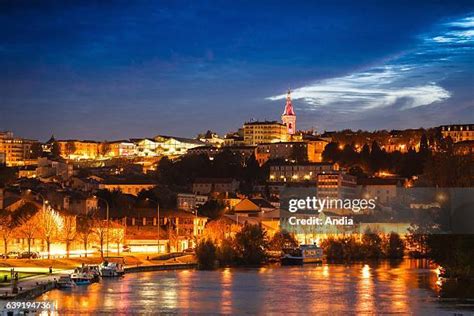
column 29, row 229
column 100, row 230
column 68, row 232
column 49, row 221
column 117, row 236
column 85, row 232
column 7, row 227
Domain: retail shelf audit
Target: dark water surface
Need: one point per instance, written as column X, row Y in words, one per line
column 408, row 287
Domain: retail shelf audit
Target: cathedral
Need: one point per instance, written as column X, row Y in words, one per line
column 289, row 116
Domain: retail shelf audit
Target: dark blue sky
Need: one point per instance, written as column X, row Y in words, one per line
column 140, row 68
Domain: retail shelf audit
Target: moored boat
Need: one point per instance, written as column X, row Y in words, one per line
column 111, row 269
column 82, row 276
column 65, row 282
column 303, row 254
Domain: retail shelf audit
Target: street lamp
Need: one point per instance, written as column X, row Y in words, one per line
column 107, row 230
column 40, row 195
column 157, row 222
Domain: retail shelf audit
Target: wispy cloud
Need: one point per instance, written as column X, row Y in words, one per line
column 406, row 82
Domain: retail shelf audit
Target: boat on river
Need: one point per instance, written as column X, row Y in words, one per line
column 85, row 275
column 65, row 282
column 302, row 255
column 111, row 269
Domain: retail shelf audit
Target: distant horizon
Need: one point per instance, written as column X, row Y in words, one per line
column 220, row 134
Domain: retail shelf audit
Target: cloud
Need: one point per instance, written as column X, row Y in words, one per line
column 371, row 89
column 409, row 81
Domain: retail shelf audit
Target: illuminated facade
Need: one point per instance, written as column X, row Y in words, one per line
column 459, row 132
column 78, row 149
column 264, row 132
column 15, row 151
column 302, row 172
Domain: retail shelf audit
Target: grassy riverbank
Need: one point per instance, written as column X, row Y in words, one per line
column 71, row 263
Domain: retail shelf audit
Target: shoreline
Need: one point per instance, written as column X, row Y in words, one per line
column 43, row 287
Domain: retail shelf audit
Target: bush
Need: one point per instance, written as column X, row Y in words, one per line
column 206, row 253
column 393, row 246
column 282, row 240
column 226, row 253
column 251, row 244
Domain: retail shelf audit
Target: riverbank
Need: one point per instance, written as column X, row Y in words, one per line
column 41, row 281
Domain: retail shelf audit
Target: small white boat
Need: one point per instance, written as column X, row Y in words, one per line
column 65, row 282
column 111, row 269
column 303, row 254
column 82, row 276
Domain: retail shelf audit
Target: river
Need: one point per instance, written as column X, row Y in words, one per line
column 407, row 287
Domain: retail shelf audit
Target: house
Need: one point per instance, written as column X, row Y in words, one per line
column 178, row 229
column 383, row 189
column 127, row 186
column 215, row 185
column 190, row 201
column 255, row 207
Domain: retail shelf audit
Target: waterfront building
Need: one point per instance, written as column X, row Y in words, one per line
column 458, row 132
column 178, row 228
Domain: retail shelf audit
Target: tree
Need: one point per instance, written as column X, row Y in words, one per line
column 206, row 254
column 7, row 226
column 282, row 240
column 7, row 175
column 331, row 152
column 68, row 232
column 100, row 230
column 226, row 252
column 372, row 245
column 29, row 229
column 251, row 244
column 104, row 148
column 70, row 148
column 85, row 231
column 299, row 153
column 393, row 246
column 213, row 209
column 48, row 221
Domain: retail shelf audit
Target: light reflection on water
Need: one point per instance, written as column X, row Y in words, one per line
column 405, row 287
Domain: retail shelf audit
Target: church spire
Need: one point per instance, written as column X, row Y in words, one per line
column 289, row 106
column 289, row 116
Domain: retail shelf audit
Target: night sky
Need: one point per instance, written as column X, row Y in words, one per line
column 115, row 70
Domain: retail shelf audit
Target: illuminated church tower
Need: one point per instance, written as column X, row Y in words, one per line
column 289, row 116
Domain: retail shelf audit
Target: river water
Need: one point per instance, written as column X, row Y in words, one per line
column 407, row 287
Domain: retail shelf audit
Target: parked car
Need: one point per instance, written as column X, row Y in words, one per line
column 13, row 255
column 3, row 256
column 28, row 255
